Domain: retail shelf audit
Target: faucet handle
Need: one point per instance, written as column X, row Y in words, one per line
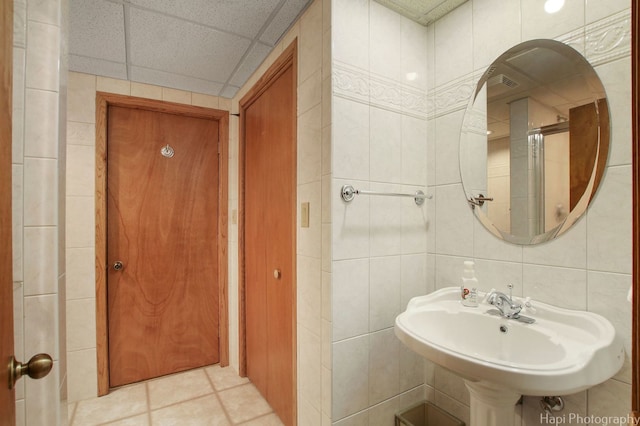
column 528, row 306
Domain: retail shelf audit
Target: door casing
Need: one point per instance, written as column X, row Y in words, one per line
column 635, row 169
column 7, row 396
column 103, row 101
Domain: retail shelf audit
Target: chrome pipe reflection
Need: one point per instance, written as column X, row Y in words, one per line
column 478, row 201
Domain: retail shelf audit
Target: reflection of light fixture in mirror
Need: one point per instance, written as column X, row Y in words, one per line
column 553, row 6
column 411, row 76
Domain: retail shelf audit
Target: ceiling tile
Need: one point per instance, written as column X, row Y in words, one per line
column 229, row 92
column 239, row 17
column 97, row 66
column 254, row 58
column 165, row 79
column 97, row 29
column 422, row 11
column 163, row 43
column 191, row 45
column 282, row 21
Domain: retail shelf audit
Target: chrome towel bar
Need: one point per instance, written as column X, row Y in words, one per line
column 348, row 193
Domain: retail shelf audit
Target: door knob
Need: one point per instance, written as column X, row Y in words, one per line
column 118, row 265
column 277, row 274
column 37, row 367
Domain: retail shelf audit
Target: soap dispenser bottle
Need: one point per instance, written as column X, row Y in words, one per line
column 469, row 287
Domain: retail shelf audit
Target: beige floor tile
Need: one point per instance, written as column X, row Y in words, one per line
column 181, row 399
column 119, row 404
column 203, row 411
column 178, row 387
column 224, row 378
column 141, row 420
column 244, row 403
column 268, row 420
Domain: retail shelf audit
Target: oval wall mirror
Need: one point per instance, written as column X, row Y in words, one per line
column 534, row 142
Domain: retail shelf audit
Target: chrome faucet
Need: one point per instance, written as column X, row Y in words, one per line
column 507, row 308
column 504, row 303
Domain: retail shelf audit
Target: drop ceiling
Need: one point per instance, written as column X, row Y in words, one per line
column 422, row 11
column 205, row 46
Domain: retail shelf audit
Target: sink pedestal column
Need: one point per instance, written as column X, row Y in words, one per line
column 491, row 406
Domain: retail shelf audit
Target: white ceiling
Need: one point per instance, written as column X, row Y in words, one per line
column 422, row 11
column 205, row 46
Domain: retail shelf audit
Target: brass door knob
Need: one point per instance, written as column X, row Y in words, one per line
column 277, row 274
column 37, row 367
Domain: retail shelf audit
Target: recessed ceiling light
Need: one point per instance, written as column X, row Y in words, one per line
column 552, row 6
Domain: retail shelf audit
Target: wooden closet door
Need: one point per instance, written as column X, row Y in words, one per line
column 270, row 171
column 162, row 227
column 256, row 279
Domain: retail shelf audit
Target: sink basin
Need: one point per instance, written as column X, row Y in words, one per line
column 562, row 352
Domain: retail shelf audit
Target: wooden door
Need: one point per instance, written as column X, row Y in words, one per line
column 7, row 397
column 269, row 243
column 162, row 187
column 588, row 146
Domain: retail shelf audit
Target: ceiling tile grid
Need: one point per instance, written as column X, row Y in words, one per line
column 423, row 12
column 280, row 23
column 174, row 81
column 206, row 46
column 92, row 65
column 252, row 60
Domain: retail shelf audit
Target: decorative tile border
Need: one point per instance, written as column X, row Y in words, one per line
column 574, row 39
column 600, row 42
column 385, row 94
column 358, row 85
column 608, row 39
column 475, row 122
column 350, row 82
column 453, row 96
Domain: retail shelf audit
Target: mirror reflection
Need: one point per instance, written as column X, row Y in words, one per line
column 534, row 142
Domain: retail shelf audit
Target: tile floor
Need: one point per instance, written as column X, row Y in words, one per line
column 205, row 396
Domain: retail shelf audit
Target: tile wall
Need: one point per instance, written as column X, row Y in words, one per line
column 313, row 33
column 80, row 213
column 39, row 86
column 589, row 267
column 384, row 252
column 379, row 244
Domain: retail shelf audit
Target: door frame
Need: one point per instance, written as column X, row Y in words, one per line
column 103, row 101
column 635, row 169
column 7, row 397
column 288, row 58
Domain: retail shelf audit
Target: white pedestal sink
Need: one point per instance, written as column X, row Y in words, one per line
column 561, row 353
